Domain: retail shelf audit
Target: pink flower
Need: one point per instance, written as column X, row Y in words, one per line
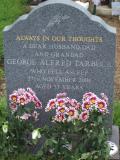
column 22, row 100
column 13, row 107
column 28, row 97
column 34, row 98
column 61, row 95
column 31, row 91
column 21, row 97
column 61, row 110
column 88, row 95
column 35, row 114
column 78, row 106
column 51, row 105
column 73, row 102
column 60, row 102
column 86, row 105
column 72, row 114
column 21, row 91
column 84, row 116
column 93, row 100
column 38, row 105
column 59, row 118
column 104, row 97
column 102, row 106
column 25, row 116
column 13, row 97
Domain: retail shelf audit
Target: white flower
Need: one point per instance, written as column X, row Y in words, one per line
column 36, row 134
column 35, row 114
column 25, row 116
column 5, row 127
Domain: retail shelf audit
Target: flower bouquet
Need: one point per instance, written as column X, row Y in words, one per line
column 78, row 131
column 16, row 136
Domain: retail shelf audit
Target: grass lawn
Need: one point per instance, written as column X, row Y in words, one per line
column 116, row 113
column 10, row 10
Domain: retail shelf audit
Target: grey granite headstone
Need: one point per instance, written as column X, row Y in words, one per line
column 60, row 47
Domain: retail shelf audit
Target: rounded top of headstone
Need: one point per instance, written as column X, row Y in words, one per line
column 64, row 2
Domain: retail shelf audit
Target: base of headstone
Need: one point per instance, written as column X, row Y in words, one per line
column 115, row 138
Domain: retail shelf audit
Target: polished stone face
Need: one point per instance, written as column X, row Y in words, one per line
column 60, row 47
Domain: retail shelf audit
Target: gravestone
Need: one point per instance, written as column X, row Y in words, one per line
column 116, row 8
column 60, row 47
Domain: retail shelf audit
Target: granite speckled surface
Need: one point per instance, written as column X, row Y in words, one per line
column 36, row 57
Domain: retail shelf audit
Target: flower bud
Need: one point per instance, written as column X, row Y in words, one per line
column 36, row 134
column 5, row 127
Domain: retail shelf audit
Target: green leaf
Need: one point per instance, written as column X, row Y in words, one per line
column 85, row 156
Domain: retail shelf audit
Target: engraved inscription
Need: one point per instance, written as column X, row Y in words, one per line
column 57, row 64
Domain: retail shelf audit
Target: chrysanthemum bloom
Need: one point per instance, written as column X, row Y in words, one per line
column 13, row 107
column 34, row 98
column 31, row 91
column 25, row 116
column 73, row 102
column 61, row 95
column 102, row 106
column 60, row 102
column 104, row 97
column 93, row 100
column 59, row 118
column 72, row 114
column 21, row 97
column 61, row 110
column 51, row 105
column 13, row 97
column 28, row 97
column 78, row 106
column 22, row 100
column 84, row 116
column 86, row 105
column 87, row 95
column 38, row 105
column 21, row 91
